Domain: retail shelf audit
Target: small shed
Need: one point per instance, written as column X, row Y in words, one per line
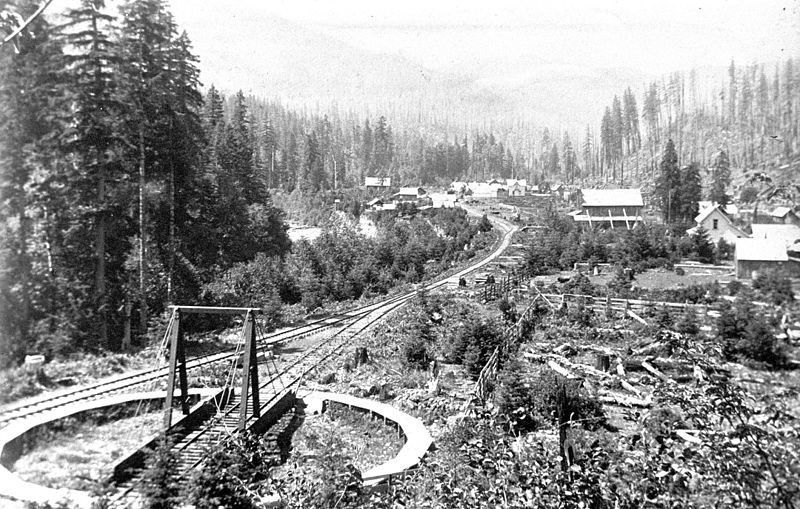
column 756, row 255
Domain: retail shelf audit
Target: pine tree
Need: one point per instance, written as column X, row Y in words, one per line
column 569, row 158
column 588, row 152
column 91, row 143
column 689, row 192
column 668, row 183
column 144, row 42
column 720, row 178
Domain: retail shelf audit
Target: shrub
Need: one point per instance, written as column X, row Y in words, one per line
column 232, row 474
column 775, row 286
column 477, row 342
column 415, row 352
column 526, row 403
column 159, row 489
column 679, row 271
column 745, row 334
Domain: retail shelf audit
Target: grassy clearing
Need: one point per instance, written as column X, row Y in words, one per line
column 354, row 434
column 79, row 457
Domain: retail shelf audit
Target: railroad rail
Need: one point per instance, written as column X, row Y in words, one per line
column 342, row 328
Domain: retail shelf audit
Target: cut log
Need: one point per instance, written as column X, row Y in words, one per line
column 656, row 373
column 560, row 369
column 618, row 399
column 627, row 386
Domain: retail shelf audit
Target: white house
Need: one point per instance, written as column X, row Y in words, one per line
column 718, row 225
column 612, row 207
column 516, row 187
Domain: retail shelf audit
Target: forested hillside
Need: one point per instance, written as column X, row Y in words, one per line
column 754, row 118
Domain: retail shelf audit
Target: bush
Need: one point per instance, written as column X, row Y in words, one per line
column 22, row 382
column 232, row 474
column 415, row 352
column 476, row 343
column 159, row 488
column 775, row 286
column 527, row 404
column 679, row 271
column 745, row 334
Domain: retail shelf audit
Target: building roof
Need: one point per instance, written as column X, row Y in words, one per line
column 731, row 209
column 411, row 191
column 704, row 213
column 520, row 182
column 484, row 188
column 378, row 181
column 761, row 250
column 612, row 198
column 788, row 234
column 780, row 211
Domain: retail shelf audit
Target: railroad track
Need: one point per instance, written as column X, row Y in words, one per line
column 136, row 378
column 191, row 448
column 125, row 382
column 341, row 328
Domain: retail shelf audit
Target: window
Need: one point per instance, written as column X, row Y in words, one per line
column 716, row 223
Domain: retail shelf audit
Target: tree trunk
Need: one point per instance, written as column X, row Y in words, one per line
column 142, row 265
column 171, row 263
column 100, row 258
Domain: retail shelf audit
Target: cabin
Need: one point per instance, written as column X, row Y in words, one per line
column 785, row 215
column 718, row 225
column 755, row 255
column 378, row 183
column 615, row 208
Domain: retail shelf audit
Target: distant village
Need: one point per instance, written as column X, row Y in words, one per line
column 772, row 242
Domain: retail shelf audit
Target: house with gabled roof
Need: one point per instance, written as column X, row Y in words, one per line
column 785, row 215
column 718, row 225
column 517, row 187
column 615, row 208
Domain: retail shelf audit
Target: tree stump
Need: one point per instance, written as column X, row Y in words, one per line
column 602, row 362
column 361, row 356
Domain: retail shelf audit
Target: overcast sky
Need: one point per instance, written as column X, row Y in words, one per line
column 650, row 36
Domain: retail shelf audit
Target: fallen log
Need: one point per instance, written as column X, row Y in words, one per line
column 656, row 373
column 560, row 369
column 618, row 399
column 627, row 386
